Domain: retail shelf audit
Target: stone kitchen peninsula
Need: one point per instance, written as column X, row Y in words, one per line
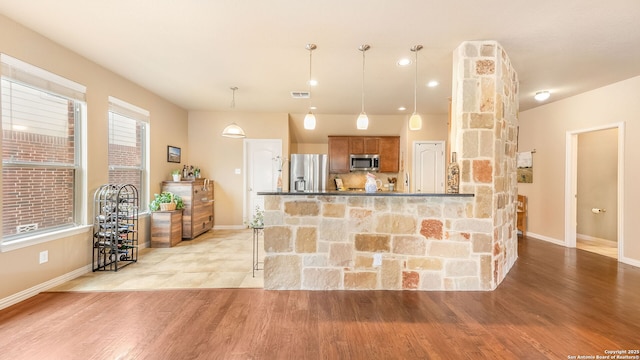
column 378, row 241
column 401, row 241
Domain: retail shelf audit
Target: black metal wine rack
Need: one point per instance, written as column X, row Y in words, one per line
column 115, row 227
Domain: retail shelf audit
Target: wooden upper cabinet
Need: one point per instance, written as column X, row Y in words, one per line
column 339, row 154
column 364, row 145
column 389, row 154
column 340, row 147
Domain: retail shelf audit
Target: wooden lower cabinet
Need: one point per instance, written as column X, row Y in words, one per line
column 166, row 228
column 197, row 217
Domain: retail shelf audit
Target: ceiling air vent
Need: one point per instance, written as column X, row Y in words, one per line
column 300, row 94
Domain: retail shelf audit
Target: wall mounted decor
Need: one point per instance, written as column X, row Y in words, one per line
column 173, row 154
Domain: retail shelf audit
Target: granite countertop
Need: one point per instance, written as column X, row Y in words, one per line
column 361, row 193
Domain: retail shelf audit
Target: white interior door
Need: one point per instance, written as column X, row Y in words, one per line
column 261, row 172
column 428, row 166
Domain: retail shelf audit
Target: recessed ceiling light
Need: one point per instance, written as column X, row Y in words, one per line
column 313, row 82
column 542, row 95
column 404, row 62
column 402, row 108
column 433, row 83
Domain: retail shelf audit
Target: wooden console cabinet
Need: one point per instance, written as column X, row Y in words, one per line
column 197, row 217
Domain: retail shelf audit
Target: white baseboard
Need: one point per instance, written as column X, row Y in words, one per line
column 546, row 238
column 629, row 261
column 230, row 227
column 625, row 260
column 35, row 290
column 591, row 238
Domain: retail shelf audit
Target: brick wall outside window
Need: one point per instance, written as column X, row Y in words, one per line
column 45, row 195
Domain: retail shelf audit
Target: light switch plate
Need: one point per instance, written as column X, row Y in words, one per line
column 44, row 256
column 237, row 171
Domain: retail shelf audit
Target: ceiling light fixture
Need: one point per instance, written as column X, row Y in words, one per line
column 433, row 83
column 542, row 95
column 415, row 121
column 233, row 130
column 363, row 121
column 310, row 119
column 404, row 62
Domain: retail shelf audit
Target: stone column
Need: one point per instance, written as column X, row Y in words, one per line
column 484, row 135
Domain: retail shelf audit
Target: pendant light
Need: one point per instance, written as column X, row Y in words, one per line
column 415, row 121
column 363, row 121
column 310, row 119
column 233, row 130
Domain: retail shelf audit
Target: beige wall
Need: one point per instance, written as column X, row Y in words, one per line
column 310, row 148
column 168, row 126
column 598, row 184
column 218, row 157
column 545, row 128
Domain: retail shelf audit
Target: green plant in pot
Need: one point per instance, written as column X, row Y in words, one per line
column 170, row 200
column 176, row 174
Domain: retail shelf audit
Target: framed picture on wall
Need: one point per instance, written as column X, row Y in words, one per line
column 173, row 154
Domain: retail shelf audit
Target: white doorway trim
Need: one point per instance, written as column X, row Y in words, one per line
column 571, row 185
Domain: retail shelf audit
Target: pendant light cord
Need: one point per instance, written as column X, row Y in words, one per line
column 363, row 48
column 233, row 96
column 415, row 49
column 415, row 86
column 362, row 81
column 311, row 47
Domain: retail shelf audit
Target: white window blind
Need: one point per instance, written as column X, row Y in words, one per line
column 20, row 71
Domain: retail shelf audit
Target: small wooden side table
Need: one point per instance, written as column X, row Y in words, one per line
column 166, row 228
column 256, row 258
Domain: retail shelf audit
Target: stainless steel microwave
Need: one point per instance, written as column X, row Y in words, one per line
column 364, row 162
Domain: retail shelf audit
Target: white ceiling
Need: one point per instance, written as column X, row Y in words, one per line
column 192, row 51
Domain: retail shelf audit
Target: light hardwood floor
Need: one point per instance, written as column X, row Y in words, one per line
column 216, row 259
column 555, row 303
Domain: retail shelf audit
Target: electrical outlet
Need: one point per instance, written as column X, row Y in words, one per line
column 377, row 259
column 44, row 256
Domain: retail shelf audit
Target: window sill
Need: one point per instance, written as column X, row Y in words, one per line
column 42, row 238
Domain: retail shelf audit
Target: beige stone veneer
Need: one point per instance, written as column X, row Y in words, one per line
column 328, row 243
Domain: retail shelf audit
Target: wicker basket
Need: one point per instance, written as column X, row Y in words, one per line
column 168, row 206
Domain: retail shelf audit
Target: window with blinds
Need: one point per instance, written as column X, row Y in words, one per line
column 128, row 133
column 41, row 178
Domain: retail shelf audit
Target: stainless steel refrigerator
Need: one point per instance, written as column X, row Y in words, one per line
column 308, row 172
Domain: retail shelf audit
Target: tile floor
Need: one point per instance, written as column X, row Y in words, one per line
column 603, row 247
column 216, row 259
